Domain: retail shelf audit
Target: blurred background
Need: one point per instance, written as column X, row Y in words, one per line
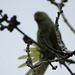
column 12, row 45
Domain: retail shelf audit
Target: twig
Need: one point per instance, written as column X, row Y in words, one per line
column 68, row 69
column 53, row 67
column 70, row 61
column 28, row 37
column 63, row 16
column 61, row 44
column 29, row 60
column 66, row 21
column 48, row 61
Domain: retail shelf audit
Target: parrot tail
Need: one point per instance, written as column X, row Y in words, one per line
column 39, row 70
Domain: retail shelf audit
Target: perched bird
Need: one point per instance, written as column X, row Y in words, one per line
column 46, row 28
column 46, row 33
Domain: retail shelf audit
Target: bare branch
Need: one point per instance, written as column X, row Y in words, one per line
column 29, row 60
column 63, row 16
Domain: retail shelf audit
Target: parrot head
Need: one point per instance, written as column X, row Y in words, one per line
column 40, row 16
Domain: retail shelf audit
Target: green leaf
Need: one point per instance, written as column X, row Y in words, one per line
column 23, row 65
column 29, row 72
column 35, row 59
column 34, row 54
column 23, row 57
column 33, row 49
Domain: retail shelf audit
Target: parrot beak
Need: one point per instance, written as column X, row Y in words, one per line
column 35, row 17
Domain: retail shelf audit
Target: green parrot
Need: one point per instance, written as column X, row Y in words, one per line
column 47, row 30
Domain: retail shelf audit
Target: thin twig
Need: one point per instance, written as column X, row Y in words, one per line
column 66, row 21
column 29, row 60
column 68, row 69
column 61, row 44
column 28, row 37
column 63, row 16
